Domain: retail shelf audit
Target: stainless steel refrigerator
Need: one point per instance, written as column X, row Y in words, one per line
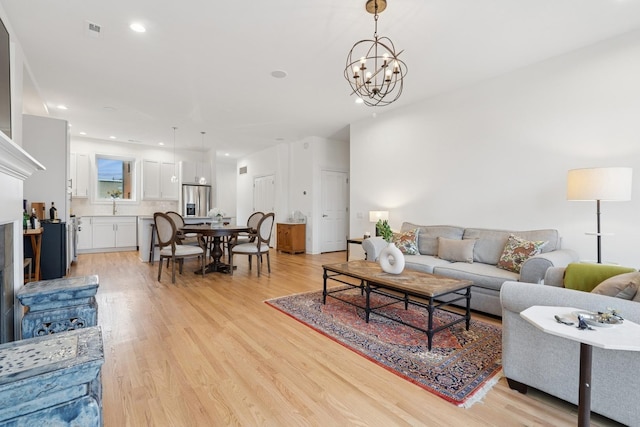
column 196, row 200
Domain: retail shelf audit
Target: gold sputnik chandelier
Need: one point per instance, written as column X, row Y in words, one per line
column 374, row 71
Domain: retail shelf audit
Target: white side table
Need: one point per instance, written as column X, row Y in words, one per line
column 625, row 336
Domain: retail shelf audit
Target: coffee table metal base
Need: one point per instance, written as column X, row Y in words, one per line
column 431, row 303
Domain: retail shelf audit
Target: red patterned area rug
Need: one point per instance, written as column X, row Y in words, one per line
column 460, row 368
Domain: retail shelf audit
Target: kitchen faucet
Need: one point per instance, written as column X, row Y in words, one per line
column 114, row 207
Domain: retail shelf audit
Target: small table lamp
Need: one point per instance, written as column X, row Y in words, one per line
column 609, row 184
column 377, row 216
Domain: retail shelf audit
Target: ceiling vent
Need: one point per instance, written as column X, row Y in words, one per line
column 243, row 170
column 92, row 30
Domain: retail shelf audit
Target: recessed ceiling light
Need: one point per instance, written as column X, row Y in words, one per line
column 62, row 107
column 359, row 100
column 160, row 143
column 279, row 138
column 112, row 137
column 83, row 133
column 138, row 27
column 226, row 154
column 279, row 74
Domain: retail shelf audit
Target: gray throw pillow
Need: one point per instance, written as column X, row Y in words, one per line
column 456, row 250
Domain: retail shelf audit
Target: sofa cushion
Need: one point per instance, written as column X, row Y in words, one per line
column 407, row 242
column 516, row 251
column 623, row 286
column 491, row 243
column 483, row 275
column 424, row 263
column 428, row 235
column 455, row 250
column 585, row 277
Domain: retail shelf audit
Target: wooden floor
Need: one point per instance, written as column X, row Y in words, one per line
column 209, row 352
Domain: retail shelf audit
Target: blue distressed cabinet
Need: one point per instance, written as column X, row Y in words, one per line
column 52, row 380
column 59, row 305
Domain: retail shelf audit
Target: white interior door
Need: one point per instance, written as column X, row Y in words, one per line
column 264, row 193
column 335, row 211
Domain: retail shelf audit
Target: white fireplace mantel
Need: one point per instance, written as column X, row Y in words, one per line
column 16, row 162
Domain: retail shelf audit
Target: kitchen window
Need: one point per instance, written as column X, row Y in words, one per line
column 115, row 177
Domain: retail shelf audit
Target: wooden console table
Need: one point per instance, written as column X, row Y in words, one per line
column 36, row 246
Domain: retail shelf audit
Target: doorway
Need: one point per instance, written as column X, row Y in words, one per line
column 335, row 211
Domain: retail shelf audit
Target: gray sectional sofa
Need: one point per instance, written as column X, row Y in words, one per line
column 543, row 361
column 482, row 270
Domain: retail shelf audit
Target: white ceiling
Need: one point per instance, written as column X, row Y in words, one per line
column 205, row 65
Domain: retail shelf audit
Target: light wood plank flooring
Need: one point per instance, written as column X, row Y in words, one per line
column 209, row 352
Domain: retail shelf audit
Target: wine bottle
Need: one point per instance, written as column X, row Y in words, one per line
column 53, row 212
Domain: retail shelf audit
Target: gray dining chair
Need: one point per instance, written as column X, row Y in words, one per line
column 171, row 249
column 259, row 246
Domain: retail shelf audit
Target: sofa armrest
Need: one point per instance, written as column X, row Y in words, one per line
column 372, row 247
column 534, row 268
column 555, row 277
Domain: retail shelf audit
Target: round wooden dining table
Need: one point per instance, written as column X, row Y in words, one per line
column 213, row 236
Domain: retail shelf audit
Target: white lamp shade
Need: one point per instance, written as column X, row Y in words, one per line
column 375, row 216
column 613, row 184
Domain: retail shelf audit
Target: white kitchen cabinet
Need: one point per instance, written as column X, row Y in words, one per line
column 156, row 181
column 106, row 233
column 79, row 174
column 168, row 189
column 85, row 233
column 190, row 172
column 150, row 180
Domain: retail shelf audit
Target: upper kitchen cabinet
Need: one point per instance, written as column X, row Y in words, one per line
column 47, row 140
column 156, row 181
column 79, row 174
column 190, row 172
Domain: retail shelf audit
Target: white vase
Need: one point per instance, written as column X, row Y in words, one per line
column 391, row 259
column 216, row 221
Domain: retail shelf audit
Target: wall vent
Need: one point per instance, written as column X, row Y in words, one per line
column 242, row 170
column 92, row 29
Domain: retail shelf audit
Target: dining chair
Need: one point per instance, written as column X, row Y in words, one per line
column 171, row 249
column 258, row 247
column 185, row 238
column 248, row 236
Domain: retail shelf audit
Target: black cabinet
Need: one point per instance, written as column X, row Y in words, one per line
column 53, row 255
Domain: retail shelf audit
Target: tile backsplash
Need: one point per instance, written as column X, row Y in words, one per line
column 84, row 207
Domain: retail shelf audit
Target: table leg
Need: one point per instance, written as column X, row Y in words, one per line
column 430, row 309
column 367, row 305
column 324, row 288
column 468, row 312
column 584, row 399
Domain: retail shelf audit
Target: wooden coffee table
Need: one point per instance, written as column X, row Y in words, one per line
column 404, row 287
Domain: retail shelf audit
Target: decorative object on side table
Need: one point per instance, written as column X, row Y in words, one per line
column 391, row 258
column 216, row 215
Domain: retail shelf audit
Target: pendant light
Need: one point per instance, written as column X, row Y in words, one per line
column 174, row 177
column 203, row 179
column 374, row 70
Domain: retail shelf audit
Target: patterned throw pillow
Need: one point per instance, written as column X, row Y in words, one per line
column 407, row 242
column 517, row 251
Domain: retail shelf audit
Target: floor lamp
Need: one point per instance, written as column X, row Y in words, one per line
column 599, row 184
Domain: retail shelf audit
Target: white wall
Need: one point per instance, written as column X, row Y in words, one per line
column 497, row 154
column 296, row 167
column 226, row 199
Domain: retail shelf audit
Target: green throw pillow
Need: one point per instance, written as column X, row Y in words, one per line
column 585, row 277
